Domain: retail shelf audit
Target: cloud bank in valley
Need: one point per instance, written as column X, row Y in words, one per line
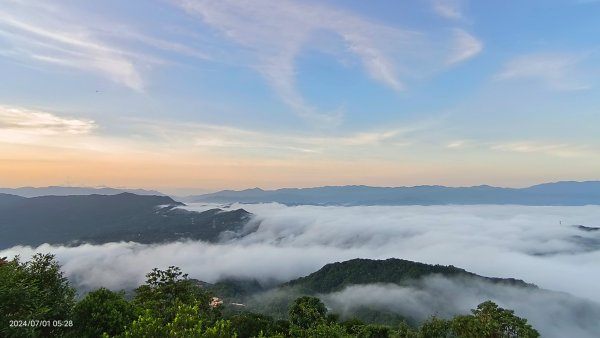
column 540, row 245
column 553, row 314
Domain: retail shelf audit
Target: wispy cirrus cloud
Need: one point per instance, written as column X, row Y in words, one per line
column 128, row 33
column 20, row 125
column 41, row 122
column 226, row 138
column 274, row 33
column 458, row 144
column 48, row 33
column 552, row 149
column 449, row 9
column 52, row 40
column 554, row 71
column 466, row 46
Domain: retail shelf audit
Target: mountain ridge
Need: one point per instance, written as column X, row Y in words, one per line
column 70, row 191
column 556, row 193
column 275, row 300
column 359, row 271
column 109, row 218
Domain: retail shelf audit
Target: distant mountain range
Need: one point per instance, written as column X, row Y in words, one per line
column 67, row 191
column 109, row 218
column 559, row 193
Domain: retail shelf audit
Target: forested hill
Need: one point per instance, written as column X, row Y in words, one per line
column 89, row 203
column 108, row 218
column 559, row 193
column 336, row 276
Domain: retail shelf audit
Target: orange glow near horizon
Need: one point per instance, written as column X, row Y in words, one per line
column 176, row 172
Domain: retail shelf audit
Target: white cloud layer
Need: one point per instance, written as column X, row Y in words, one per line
column 540, row 245
column 554, row 315
column 537, row 244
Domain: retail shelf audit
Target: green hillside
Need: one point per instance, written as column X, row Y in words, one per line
column 336, row 276
column 38, row 301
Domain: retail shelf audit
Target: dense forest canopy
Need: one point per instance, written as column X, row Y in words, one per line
column 36, row 300
column 336, row 276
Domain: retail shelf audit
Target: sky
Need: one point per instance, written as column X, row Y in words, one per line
column 185, row 95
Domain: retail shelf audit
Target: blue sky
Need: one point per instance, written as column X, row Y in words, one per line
column 177, row 94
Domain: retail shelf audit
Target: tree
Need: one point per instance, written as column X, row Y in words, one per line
column 186, row 323
column 102, row 311
column 358, row 328
column 248, row 324
column 491, row 321
column 174, row 307
column 281, row 326
column 307, row 311
column 166, row 290
column 374, row 331
column 326, row 330
column 353, row 325
column 221, row 329
column 34, row 290
column 435, row 328
column 147, row 325
column 405, row 331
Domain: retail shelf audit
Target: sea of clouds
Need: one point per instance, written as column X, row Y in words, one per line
column 553, row 314
column 540, row 245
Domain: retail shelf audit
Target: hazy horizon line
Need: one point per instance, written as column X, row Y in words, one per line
column 199, row 190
